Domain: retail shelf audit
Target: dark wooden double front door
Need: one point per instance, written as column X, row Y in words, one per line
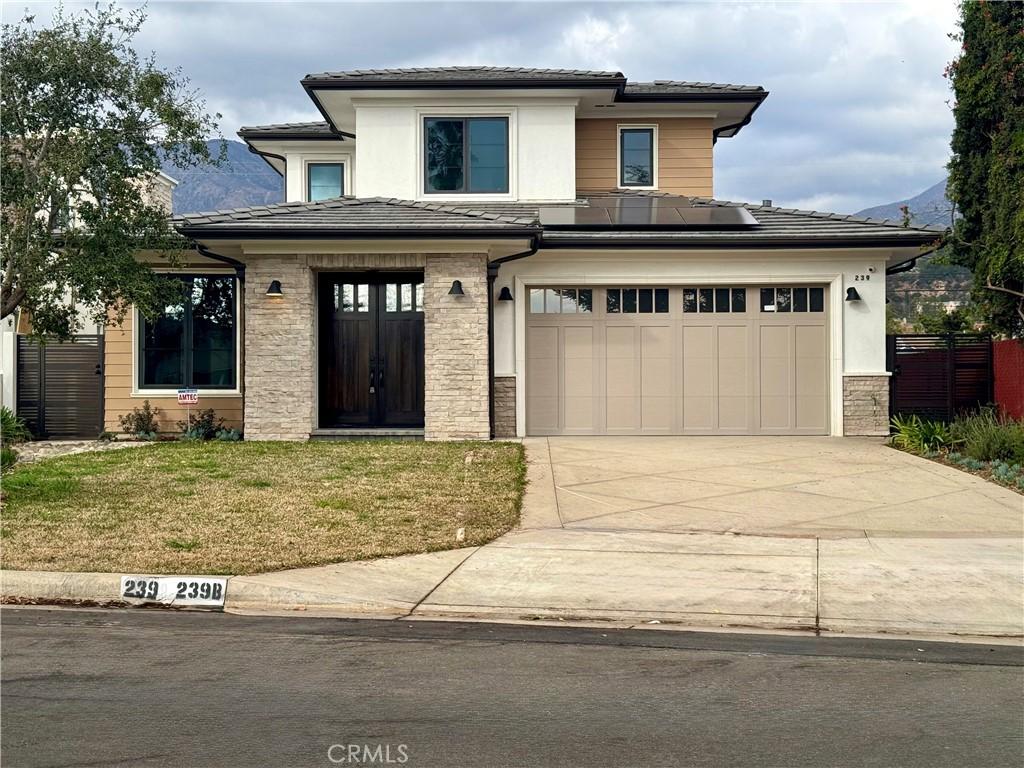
column 371, row 349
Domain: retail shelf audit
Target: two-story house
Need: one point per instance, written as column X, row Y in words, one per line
column 468, row 252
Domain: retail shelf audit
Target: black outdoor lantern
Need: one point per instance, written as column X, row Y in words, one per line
column 456, row 289
column 851, row 294
column 505, row 294
column 275, row 288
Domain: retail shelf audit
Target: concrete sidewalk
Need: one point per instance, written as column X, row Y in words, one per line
column 812, row 534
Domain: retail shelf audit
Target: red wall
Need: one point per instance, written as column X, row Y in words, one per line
column 1008, row 372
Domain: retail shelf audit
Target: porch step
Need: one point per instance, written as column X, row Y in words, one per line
column 384, row 433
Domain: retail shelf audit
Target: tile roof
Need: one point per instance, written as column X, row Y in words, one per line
column 672, row 87
column 348, row 215
column 428, row 74
column 318, row 128
column 345, row 216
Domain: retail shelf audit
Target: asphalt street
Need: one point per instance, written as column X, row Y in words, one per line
column 162, row 688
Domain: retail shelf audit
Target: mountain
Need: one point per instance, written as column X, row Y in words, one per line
column 929, row 207
column 244, row 179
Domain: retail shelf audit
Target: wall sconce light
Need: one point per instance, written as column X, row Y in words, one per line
column 505, row 294
column 275, row 288
column 456, row 289
column 851, row 294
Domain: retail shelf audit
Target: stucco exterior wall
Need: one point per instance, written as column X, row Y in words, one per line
column 389, row 152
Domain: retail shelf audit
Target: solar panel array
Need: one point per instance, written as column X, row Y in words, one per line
column 667, row 213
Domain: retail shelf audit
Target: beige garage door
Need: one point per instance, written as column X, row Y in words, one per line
column 702, row 360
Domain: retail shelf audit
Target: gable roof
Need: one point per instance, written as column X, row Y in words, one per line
column 390, row 218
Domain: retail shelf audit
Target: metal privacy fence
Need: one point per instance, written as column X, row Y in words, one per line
column 60, row 387
column 937, row 376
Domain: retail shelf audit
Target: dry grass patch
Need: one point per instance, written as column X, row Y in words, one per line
column 239, row 508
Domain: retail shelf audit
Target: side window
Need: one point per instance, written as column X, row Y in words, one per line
column 636, row 157
column 642, row 301
column 561, row 301
column 714, row 300
column 466, row 155
column 797, row 299
column 324, row 181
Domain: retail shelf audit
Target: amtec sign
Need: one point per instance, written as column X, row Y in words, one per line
column 188, row 396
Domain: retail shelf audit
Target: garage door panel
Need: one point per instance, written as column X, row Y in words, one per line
column 698, row 413
column 713, row 363
column 811, row 413
column 542, row 342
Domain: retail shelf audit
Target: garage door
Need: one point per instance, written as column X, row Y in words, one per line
column 702, row 360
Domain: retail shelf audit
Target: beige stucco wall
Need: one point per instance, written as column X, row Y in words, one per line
column 685, row 148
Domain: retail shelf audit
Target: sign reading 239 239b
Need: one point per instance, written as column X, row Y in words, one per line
column 200, row 591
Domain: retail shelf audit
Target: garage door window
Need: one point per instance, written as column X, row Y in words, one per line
column 633, row 301
column 714, row 300
column 792, row 299
column 561, row 301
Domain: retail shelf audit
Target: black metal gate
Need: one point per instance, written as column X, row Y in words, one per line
column 60, row 387
column 937, row 376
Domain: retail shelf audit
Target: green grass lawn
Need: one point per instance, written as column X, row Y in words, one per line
column 234, row 508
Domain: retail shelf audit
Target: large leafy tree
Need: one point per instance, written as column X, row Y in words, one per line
column 85, row 121
column 986, row 181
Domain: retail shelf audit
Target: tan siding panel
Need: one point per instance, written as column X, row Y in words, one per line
column 685, row 154
column 117, row 388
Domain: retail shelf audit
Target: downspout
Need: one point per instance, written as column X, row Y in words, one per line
column 903, row 266
column 238, row 265
column 492, row 274
column 240, row 276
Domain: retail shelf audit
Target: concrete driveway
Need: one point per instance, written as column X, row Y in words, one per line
column 803, row 533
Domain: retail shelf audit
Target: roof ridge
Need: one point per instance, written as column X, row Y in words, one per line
column 821, row 214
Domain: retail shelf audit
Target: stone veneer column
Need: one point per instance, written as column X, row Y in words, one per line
column 279, row 353
column 455, row 378
column 866, row 405
column 504, row 406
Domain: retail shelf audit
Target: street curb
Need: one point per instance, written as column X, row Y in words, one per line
column 245, row 597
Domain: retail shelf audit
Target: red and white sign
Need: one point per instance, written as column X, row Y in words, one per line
column 188, row 397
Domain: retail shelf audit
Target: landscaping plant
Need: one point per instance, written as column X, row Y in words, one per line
column 12, row 427
column 201, row 425
column 142, row 422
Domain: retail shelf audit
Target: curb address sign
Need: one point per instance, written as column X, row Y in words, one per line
column 200, row 591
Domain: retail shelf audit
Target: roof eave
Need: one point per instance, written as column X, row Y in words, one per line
column 204, row 232
column 733, row 243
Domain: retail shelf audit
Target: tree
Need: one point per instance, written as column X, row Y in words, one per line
column 84, row 123
column 987, row 167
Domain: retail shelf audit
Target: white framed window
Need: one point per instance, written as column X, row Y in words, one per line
column 324, row 181
column 637, row 155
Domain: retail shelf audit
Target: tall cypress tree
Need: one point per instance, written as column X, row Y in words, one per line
column 986, row 172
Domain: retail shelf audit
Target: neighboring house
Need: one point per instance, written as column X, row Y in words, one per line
column 68, row 402
column 470, row 252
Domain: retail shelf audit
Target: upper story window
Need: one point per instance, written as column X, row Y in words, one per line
column 466, row 155
column 192, row 342
column 324, row 181
column 636, row 157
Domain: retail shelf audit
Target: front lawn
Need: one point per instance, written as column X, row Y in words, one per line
column 234, row 508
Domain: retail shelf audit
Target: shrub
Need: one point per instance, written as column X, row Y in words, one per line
column 7, row 457
column 917, row 435
column 989, row 436
column 12, row 427
column 228, row 435
column 142, row 422
column 202, row 425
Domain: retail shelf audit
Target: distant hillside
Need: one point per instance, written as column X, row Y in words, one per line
column 244, row 180
column 929, row 207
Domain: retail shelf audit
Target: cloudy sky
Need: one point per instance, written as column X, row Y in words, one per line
column 858, row 113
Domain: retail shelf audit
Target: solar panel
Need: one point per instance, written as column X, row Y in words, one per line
column 624, row 212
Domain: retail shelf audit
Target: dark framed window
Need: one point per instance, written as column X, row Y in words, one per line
column 636, row 157
column 643, row 301
column 793, row 299
column 324, row 181
column 465, row 155
column 714, row 300
column 192, row 343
